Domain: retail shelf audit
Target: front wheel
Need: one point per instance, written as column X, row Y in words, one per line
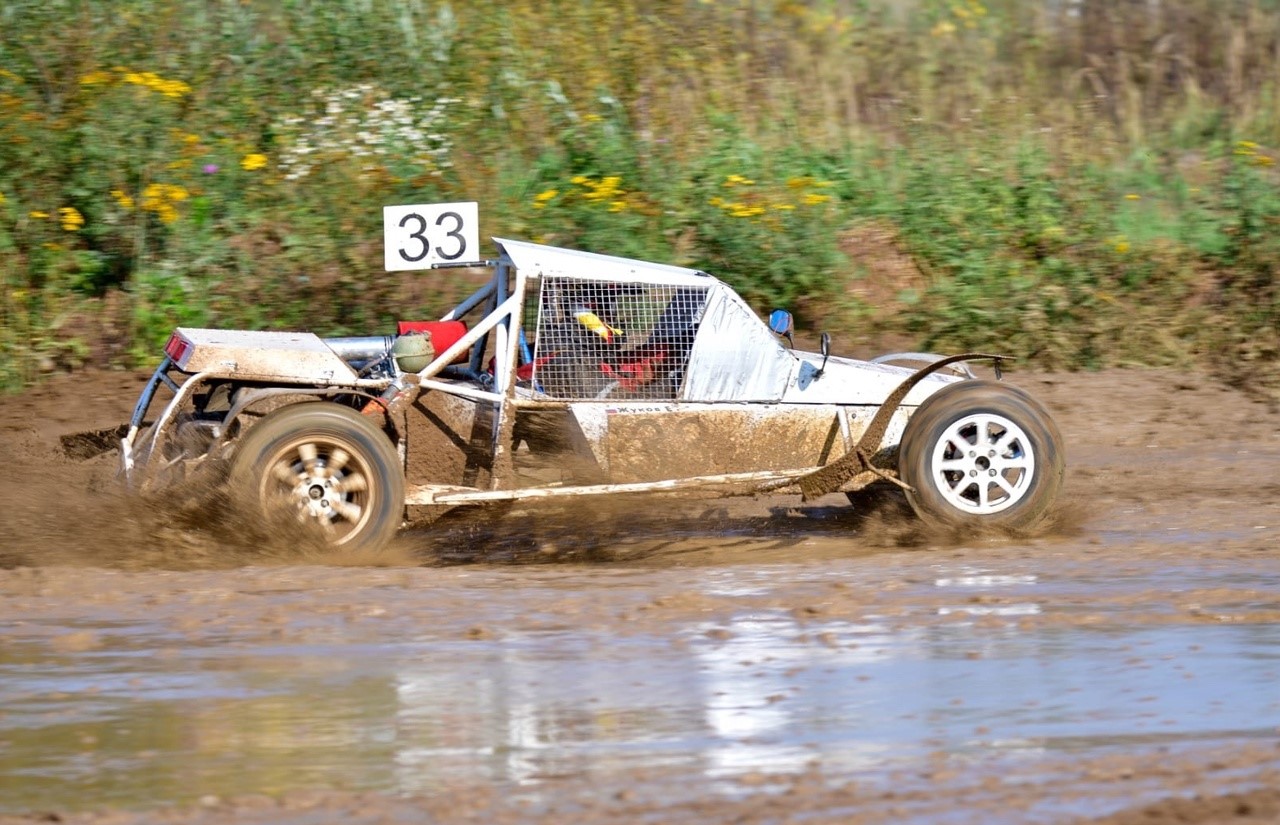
column 982, row 453
column 329, row 466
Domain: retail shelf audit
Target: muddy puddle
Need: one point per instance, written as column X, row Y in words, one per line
column 895, row 671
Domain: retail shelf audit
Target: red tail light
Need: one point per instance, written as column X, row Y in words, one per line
column 176, row 348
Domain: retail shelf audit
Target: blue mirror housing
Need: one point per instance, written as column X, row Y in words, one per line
column 781, row 322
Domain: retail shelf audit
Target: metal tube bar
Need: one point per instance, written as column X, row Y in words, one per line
column 360, row 348
column 443, row 359
column 469, row 304
column 442, row 494
column 159, row 429
column 149, row 392
column 460, row 389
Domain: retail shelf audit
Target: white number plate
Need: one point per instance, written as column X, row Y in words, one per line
column 416, row 237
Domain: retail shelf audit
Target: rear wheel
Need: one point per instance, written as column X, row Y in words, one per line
column 982, row 453
column 328, row 466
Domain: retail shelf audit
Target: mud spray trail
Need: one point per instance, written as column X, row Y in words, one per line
column 713, row 661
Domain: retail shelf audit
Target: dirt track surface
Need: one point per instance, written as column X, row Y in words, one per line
column 633, row 661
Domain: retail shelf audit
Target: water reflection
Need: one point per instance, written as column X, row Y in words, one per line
column 969, row 661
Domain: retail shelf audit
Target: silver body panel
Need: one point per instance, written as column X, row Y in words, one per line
column 295, row 357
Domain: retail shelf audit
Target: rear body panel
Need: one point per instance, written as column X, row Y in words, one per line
column 293, row 357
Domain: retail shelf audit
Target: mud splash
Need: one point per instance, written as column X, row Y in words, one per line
column 68, row 512
column 77, row 513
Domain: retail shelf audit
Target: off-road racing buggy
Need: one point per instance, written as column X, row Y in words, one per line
column 572, row 374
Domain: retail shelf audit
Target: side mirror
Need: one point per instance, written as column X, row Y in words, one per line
column 781, row 322
column 826, row 353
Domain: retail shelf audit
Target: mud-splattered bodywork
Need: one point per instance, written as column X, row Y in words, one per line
column 570, row 373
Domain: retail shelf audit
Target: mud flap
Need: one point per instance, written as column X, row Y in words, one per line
column 857, row 461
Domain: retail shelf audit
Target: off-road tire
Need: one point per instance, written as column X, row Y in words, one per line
column 327, row 465
column 984, row 454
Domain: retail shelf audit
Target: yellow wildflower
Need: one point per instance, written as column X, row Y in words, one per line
column 253, row 161
column 36, row 213
column 71, row 218
column 2, row 199
column 160, row 199
column 716, row 201
column 1264, row 160
column 1122, row 245
column 1133, row 197
column 814, row 198
column 737, row 180
column 617, row 206
column 1246, row 144
column 784, row 207
column 800, row 182
column 95, row 78
column 171, row 88
column 580, row 180
column 607, row 188
column 123, row 199
column 592, row 118
column 156, row 83
column 543, row 197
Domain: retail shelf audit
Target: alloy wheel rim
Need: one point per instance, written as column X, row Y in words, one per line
column 983, row 463
column 325, row 481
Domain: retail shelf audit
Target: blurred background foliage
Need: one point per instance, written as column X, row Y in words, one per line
column 1077, row 183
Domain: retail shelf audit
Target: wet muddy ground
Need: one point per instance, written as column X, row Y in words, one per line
column 659, row 660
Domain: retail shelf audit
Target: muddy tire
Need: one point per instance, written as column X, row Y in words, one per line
column 327, row 466
column 983, row 454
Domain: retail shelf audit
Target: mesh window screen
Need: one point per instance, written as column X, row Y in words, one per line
column 605, row 339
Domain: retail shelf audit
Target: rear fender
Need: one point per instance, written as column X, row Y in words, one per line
column 251, row 403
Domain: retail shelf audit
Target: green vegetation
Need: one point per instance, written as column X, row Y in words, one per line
column 1077, row 183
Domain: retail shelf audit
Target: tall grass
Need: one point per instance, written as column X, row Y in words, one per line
column 1076, row 182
